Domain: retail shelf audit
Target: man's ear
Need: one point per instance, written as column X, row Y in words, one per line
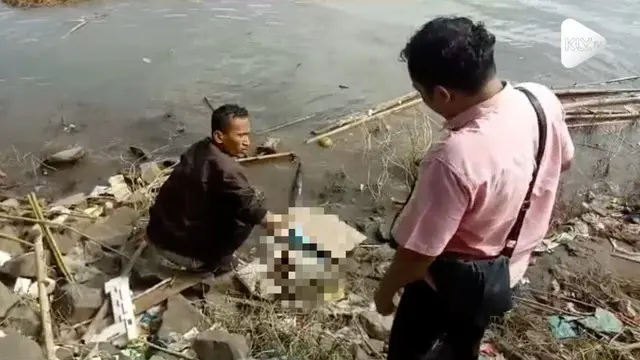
column 442, row 94
column 218, row 136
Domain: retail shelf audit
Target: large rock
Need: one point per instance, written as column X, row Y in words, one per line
column 220, row 345
column 116, row 229
column 17, row 347
column 7, row 300
column 65, row 156
column 77, row 302
column 179, row 318
column 11, row 247
column 24, row 319
column 377, row 326
column 69, row 201
column 23, row 265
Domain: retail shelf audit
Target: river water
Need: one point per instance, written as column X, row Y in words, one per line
column 115, row 77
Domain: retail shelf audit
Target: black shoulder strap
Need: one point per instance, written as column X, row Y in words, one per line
column 514, row 234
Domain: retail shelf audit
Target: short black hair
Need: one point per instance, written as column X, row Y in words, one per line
column 222, row 116
column 453, row 52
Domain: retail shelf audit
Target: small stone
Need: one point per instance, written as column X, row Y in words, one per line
column 77, row 302
column 179, row 318
column 10, row 203
column 11, row 247
column 23, row 265
column 109, row 234
column 7, row 300
column 70, row 201
column 376, row 326
column 24, row 319
column 219, row 345
column 15, row 346
column 66, row 156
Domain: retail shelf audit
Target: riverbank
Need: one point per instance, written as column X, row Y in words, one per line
column 362, row 175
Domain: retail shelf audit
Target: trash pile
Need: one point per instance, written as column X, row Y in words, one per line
column 589, row 314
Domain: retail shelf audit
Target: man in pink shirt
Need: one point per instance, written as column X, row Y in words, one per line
column 483, row 198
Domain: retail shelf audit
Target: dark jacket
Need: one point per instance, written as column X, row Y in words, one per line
column 206, row 209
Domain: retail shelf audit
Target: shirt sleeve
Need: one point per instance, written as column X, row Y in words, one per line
column 432, row 215
column 242, row 198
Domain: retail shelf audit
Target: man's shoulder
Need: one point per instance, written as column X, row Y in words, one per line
column 546, row 97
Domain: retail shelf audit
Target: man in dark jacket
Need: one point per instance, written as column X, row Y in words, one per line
column 206, row 209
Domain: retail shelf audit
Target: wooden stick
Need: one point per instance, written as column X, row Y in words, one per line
column 292, row 122
column 98, row 319
column 621, row 79
column 626, row 116
column 167, row 351
column 579, row 92
column 51, row 242
column 206, row 101
column 364, row 120
column 13, row 238
column 252, row 159
column 377, row 109
column 603, row 102
column 43, row 297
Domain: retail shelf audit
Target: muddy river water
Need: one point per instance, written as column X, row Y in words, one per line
column 132, row 62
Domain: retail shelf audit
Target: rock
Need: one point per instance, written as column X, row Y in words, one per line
column 23, row 265
column 219, row 345
column 66, row 156
column 222, row 284
column 269, row 146
column 10, row 203
column 139, row 153
column 221, row 304
column 15, row 346
column 66, row 242
column 384, row 253
column 179, row 318
column 149, row 171
column 109, row 234
column 123, row 215
column 70, row 201
column 377, row 326
column 77, row 302
column 64, row 353
column 7, row 300
column 10, row 247
column 24, row 319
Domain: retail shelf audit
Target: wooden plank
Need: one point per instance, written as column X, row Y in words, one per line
column 164, row 290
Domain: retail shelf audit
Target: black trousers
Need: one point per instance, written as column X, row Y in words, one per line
column 469, row 295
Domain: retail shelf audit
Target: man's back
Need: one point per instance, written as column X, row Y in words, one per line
column 206, row 207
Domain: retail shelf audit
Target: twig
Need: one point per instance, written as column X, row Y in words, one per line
column 206, row 101
column 364, row 120
column 621, row 79
column 292, row 122
column 76, row 28
column 13, row 238
column 562, row 297
column 545, row 307
column 170, row 352
column 51, row 242
column 45, row 306
column 266, row 157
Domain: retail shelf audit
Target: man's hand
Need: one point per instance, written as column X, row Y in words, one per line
column 384, row 303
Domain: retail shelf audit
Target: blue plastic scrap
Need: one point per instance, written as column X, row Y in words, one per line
column 569, row 327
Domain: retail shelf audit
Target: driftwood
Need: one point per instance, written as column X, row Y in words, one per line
column 600, row 123
column 588, row 92
column 43, row 297
column 208, row 103
column 617, row 80
column 292, row 122
column 373, row 111
column 259, row 158
column 295, row 195
column 364, row 120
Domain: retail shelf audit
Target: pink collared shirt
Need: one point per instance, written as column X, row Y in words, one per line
column 473, row 182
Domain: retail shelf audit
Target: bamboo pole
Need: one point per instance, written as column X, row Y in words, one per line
column 377, row 109
column 603, row 102
column 621, row 79
column 627, row 116
column 51, row 242
column 43, row 297
column 364, row 120
column 292, row 122
column 252, row 159
column 596, row 123
column 97, row 321
column 579, row 92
